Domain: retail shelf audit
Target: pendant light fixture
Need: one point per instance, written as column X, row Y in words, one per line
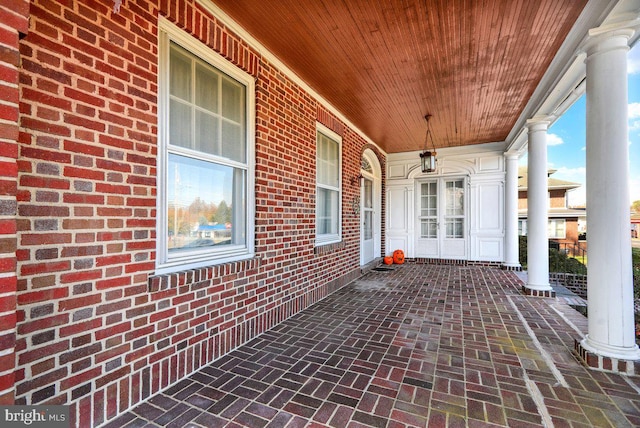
column 428, row 158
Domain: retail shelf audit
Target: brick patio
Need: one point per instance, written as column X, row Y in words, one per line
column 422, row 345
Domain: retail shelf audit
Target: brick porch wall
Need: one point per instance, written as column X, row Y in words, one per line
column 15, row 15
column 96, row 328
column 574, row 282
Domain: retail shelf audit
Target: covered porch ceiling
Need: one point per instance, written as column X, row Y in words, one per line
column 473, row 64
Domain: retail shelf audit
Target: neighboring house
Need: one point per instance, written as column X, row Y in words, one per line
column 565, row 223
column 635, row 225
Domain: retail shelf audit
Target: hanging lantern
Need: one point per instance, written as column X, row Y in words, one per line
column 428, row 157
column 428, row 161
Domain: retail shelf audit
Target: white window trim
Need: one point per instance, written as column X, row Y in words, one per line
column 522, row 227
column 164, row 264
column 555, row 221
column 330, row 238
column 447, row 217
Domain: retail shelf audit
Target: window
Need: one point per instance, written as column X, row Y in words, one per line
column 429, row 210
column 557, row 228
column 454, row 216
column 328, row 190
column 205, row 155
column 522, row 227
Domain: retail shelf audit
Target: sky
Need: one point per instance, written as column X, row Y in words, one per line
column 566, row 139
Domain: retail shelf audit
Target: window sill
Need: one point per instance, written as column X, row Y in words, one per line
column 329, row 248
column 167, row 281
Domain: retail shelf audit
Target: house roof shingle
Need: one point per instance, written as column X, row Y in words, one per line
column 552, row 183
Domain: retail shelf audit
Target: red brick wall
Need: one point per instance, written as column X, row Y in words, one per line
column 522, row 200
column 96, row 328
column 14, row 15
column 557, row 198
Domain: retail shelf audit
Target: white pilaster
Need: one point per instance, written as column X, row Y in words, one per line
column 537, row 208
column 511, row 247
column 610, row 278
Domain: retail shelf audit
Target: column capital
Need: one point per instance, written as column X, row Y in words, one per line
column 612, row 36
column 621, row 22
column 538, row 123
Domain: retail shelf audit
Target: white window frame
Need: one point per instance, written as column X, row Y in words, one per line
column 166, row 263
column 428, row 219
column 553, row 225
column 325, row 239
column 522, row 227
column 453, row 219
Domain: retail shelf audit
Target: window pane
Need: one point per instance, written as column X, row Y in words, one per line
column 368, row 193
column 428, row 199
column 180, row 124
column 233, row 141
column 454, row 228
column 368, row 225
column 232, row 100
column 327, row 163
column 327, row 215
column 556, row 228
column 205, row 202
column 429, row 228
column 180, row 73
column 454, row 198
column 199, row 124
column 207, row 133
column 366, row 166
column 206, row 88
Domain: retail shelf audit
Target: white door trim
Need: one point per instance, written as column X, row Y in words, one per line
column 374, row 173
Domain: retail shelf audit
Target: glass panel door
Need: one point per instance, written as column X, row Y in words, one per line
column 428, row 225
column 441, row 219
column 367, row 218
column 429, row 210
column 454, row 213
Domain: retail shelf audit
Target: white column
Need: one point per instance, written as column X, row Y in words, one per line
column 511, row 247
column 610, row 277
column 537, row 208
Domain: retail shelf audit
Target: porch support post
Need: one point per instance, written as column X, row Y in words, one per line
column 511, row 247
column 611, row 332
column 537, row 211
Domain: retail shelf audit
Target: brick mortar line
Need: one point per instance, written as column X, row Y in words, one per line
column 532, row 388
column 538, row 398
column 630, row 382
column 543, row 352
column 601, row 391
column 399, row 301
column 568, row 321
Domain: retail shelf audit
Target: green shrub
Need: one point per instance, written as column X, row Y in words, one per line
column 635, row 261
column 523, row 251
column 558, row 261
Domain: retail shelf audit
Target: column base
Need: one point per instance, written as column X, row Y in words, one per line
column 604, row 363
column 534, row 292
column 512, row 267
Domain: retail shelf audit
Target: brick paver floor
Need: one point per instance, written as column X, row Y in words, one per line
column 422, row 345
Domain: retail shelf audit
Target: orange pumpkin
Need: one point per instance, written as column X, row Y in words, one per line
column 388, row 260
column 398, row 257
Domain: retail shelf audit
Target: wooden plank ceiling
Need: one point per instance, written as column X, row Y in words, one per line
column 472, row 64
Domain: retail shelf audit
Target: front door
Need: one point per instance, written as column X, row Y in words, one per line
column 367, row 218
column 442, row 225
